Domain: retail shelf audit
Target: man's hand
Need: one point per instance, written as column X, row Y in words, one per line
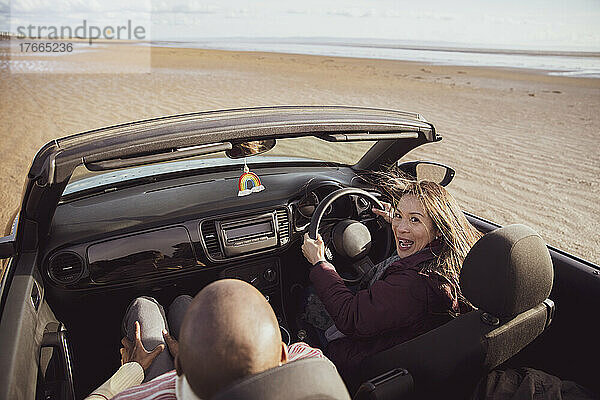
column 313, row 250
column 136, row 352
column 386, row 213
column 172, row 344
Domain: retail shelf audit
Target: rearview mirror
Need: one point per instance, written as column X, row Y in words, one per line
column 250, row 148
column 428, row 171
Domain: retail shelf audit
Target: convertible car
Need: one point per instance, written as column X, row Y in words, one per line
column 163, row 207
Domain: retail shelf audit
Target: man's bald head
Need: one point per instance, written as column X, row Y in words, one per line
column 229, row 332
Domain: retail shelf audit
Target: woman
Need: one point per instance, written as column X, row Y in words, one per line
column 408, row 294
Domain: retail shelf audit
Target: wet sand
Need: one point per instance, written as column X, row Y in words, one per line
column 525, row 145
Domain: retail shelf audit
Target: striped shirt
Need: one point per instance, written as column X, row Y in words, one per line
column 163, row 387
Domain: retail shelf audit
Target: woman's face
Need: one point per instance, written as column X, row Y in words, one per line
column 412, row 226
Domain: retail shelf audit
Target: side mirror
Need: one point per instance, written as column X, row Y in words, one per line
column 250, row 148
column 428, row 171
column 7, row 246
column 7, row 243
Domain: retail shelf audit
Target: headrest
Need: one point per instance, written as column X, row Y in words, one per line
column 311, row 378
column 508, row 271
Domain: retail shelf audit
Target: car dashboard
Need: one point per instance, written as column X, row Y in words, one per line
column 193, row 229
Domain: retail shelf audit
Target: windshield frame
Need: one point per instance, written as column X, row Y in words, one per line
column 160, row 136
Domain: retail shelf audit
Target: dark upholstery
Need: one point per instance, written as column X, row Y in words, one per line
column 308, row 379
column 508, row 275
column 510, row 337
column 507, row 271
column 447, row 358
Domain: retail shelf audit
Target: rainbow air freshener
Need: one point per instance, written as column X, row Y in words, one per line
column 249, row 183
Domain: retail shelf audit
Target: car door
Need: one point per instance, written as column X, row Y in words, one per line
column 35, row 360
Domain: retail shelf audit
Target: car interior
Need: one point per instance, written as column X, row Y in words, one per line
column 175, row 233
column 90, row 283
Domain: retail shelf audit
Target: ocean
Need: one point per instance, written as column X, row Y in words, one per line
column 584, row 64
column 575, row 63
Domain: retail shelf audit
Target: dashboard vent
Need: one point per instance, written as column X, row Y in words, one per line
column 283, row 225
column 211, row 240
column 65, row 268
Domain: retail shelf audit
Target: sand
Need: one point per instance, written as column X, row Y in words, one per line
column 525, row 145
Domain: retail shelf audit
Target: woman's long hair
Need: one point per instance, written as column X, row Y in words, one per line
column 456, row 233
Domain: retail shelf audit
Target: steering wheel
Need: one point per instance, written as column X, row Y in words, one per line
column 351, row 239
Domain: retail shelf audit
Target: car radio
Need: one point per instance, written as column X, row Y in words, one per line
column 248, row 234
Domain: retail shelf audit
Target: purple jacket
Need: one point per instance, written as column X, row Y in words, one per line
column 401, row 305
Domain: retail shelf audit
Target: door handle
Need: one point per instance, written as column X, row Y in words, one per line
column 58, row 341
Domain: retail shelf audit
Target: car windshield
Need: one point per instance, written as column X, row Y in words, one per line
column 304, row 149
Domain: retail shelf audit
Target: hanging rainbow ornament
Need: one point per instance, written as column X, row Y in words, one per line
column 249, row 182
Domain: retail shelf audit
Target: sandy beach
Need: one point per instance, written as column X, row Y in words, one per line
column 525, row 145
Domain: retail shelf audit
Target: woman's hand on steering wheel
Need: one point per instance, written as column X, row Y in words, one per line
column 386, row 213
column 313, row 250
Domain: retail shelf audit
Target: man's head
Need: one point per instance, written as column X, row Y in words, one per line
column 229, row 332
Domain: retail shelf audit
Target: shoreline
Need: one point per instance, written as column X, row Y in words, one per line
column 523, row 144
column 509, row 73
column 591, row 70
column 374, row 44
column 584, row 63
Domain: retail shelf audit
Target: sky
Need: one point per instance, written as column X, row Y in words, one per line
column 533, row 24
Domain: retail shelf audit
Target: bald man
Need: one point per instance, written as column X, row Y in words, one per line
column 229, row 331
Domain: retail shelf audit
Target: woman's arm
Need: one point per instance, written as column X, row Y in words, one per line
column 393, row 303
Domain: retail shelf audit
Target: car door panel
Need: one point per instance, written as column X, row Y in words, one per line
column 25, row 318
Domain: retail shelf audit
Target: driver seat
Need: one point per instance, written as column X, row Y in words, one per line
column 508, row 276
